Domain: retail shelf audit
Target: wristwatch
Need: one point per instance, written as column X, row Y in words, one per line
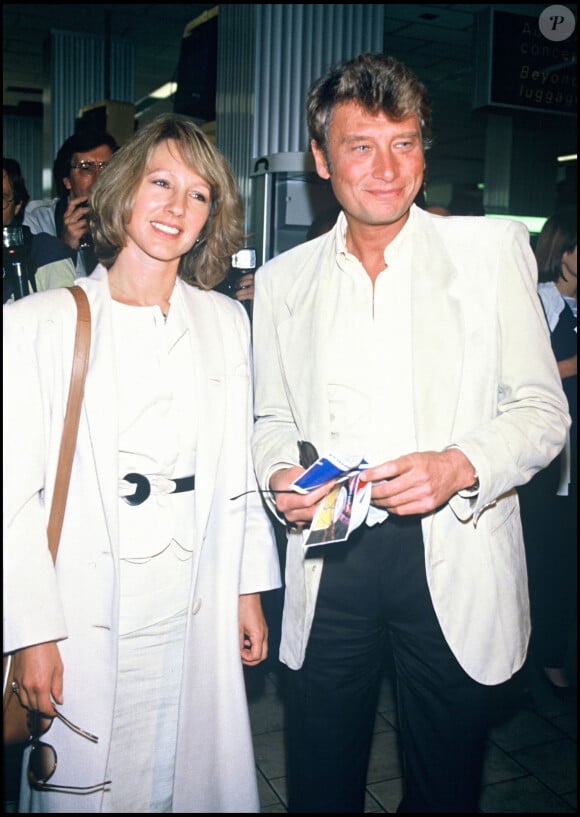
column 474, row 487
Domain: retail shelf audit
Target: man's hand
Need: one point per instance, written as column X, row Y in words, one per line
column 419, row 482
column 244, row 290
column 75, row 223
column 297, row 509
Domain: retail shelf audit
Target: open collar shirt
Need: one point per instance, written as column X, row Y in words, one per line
column 370, row 384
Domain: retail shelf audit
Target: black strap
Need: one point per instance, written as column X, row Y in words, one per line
column 184, row 484
column 143, row 487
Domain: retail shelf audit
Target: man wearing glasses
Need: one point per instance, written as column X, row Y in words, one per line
column 78, row 163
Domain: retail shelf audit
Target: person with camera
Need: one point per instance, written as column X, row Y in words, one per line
column 239, row 282
column 77, row 166
column 30, row 262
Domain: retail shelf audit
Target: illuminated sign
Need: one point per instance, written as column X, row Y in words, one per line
column 526, row 63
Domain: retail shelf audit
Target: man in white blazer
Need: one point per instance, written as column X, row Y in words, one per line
column 417, row 342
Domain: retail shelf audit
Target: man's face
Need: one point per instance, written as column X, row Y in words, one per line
column 81, row 180
column 9, row 206
column 376, row 164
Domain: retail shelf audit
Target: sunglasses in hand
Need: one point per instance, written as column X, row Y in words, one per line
column 307, row 455
column 42, row 759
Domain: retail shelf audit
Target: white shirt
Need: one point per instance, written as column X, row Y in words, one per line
column 370, row 370
column 155, row 376
column 552, row 301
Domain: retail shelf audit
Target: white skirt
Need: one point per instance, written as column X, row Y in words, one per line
column 142, row 756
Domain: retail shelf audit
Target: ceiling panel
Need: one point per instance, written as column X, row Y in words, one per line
column 435, row 40
column 155, row 28
column 418, row 33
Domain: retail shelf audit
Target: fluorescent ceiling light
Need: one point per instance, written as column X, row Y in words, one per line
column 164, row 91
column 571, row 157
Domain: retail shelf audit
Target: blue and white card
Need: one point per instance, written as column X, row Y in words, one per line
column 325, row 469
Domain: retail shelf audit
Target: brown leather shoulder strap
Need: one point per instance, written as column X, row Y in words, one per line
column 72, row 417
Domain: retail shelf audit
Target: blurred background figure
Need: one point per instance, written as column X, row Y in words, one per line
column 76, row 168
column 44, row 260
column 239, row 282
column 549, row 501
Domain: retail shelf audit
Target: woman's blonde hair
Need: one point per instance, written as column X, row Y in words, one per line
column 112, row 197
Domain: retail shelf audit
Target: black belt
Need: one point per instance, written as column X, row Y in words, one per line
column 144, row 487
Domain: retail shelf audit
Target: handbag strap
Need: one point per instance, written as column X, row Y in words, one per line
column 72, row 417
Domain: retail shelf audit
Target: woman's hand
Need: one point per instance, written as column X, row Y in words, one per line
column 253, row 630
column 568, row 367
column 38, row 673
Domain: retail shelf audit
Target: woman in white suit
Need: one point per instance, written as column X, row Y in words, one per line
column 140, row 632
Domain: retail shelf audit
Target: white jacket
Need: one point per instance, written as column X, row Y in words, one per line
column 77, row 603
column 484, row 379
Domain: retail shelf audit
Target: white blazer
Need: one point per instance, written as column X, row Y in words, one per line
column 484, row 379
column 77, row 603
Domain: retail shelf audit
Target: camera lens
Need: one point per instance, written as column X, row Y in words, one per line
column 12, row 237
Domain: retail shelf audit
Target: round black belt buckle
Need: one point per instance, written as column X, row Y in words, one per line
column 143, row 489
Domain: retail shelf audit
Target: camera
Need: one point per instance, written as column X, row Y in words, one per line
column 14, row 263
column 13, row 239
column 244, row 261
column 86, row 240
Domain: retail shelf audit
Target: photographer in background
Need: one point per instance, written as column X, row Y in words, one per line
column 76, row 168
column 45, row 261
column 239, row 282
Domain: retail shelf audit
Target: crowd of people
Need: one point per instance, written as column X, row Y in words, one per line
column 549, row 500
column 45, row 261
column 391, row 334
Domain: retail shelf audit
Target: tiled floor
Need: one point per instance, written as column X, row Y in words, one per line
column 531, row 759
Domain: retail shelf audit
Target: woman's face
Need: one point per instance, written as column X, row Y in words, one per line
column 171, row 207
column 569, row 279
column 9, row 206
